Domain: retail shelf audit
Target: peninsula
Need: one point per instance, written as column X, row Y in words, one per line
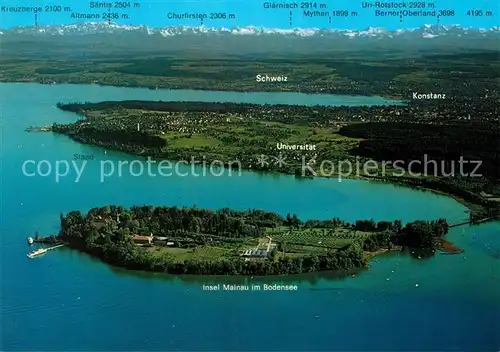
column 429, row 144
column 227, row 242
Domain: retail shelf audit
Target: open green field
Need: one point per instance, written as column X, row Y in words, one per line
column 262, row 135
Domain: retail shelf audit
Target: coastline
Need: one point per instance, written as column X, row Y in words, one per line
column 474, row 202
column 456, row 188
column 446, row 248
column 241, row 243
column 470, row 205
column 254, row 89
column 405, row 182
column 71, row 300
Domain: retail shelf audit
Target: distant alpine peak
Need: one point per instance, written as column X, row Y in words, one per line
column 425, row 31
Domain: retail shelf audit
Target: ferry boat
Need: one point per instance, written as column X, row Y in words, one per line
column 36, row 253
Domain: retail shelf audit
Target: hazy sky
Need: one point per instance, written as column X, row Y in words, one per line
column 252, row 12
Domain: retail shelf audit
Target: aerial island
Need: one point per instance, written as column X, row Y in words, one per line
column 197, row 241
column 447, row 120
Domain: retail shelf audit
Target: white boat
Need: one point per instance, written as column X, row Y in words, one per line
column 36, row 253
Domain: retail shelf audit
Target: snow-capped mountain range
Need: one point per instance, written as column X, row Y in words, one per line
column 102, row 38
column 426, row 31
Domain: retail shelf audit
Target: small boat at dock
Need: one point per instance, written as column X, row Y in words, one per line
column 41, row 251
column 36, row 253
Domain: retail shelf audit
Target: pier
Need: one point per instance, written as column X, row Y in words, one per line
column 52, row 239
column 39, row 129
column 473, row 222
column 468, row 222
column 54, row 247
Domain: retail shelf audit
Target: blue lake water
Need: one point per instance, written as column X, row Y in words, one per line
column 68, row 301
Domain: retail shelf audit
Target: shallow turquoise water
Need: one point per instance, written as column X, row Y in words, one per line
column 68, row 301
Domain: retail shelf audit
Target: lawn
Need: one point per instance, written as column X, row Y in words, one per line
column 196, row 140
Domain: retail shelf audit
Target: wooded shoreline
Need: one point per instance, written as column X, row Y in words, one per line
column 204, row 242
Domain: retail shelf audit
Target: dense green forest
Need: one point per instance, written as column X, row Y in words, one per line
column 107, row 233
column 170, row 106
column 445, row 144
